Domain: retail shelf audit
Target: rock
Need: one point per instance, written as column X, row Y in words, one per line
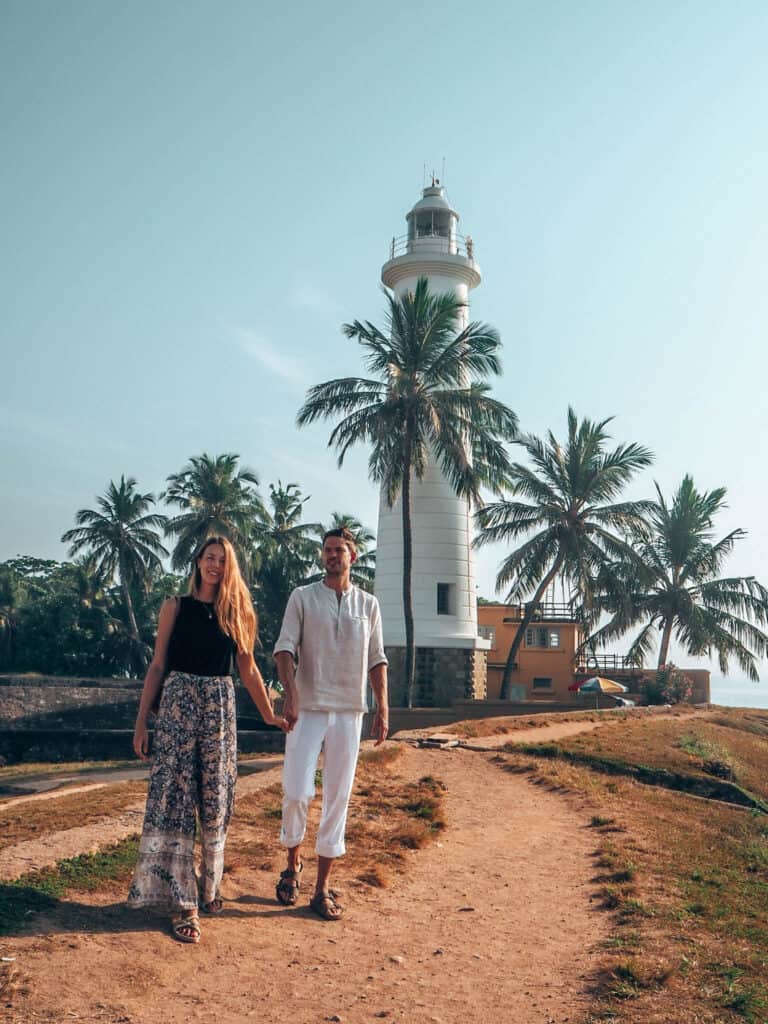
column 397, row 959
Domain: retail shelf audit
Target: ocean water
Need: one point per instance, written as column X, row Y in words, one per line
column 738, row 693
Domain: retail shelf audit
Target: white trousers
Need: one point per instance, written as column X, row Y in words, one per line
column 337, row 733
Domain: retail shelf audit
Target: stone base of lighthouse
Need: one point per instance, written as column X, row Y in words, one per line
column 443, row 674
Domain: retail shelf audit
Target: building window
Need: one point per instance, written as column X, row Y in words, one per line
column 488, row 633
column 445, row 599
column 540, row 683
column 542, row 636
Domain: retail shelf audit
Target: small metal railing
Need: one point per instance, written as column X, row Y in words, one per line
column 547, row 611
column 458, row 245
column 599, row 664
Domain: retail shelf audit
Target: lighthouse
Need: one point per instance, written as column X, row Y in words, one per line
column 450, row 657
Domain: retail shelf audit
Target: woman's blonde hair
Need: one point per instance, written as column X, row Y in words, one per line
column 234, row 607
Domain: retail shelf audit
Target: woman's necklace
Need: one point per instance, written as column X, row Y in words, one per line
column 208, row 605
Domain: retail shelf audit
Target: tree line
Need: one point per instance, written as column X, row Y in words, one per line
column 96, row 615
column 653, row 568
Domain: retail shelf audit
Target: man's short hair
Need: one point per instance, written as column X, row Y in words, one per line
column 341, row 531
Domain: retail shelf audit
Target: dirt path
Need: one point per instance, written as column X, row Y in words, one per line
column 33, row 854
column 493, row 923
column 536, row 734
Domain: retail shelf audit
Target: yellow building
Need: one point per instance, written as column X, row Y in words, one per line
column 549, row 663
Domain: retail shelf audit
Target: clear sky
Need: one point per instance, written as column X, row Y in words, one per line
column 197, row 195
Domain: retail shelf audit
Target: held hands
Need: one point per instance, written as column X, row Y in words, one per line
column 281, row 722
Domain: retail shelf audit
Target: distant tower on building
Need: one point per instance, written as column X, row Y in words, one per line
column 450, row 657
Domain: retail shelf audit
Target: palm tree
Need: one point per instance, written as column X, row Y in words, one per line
column 677, row 589
column 282, row 535
column 427, row 401
column 121, row 536
column 569, row 519
column 214, row 497
column 285, row 557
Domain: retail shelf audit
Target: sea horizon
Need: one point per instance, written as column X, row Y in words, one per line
column 739, row 693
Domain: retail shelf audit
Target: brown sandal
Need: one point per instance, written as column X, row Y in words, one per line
column 326, row 905
column 287, row 889
column 186, row 927
column 214, row 906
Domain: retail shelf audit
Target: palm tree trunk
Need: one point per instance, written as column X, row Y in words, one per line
column 530, row 611
column 410, row 649
column 666, row 637
column 133, row 626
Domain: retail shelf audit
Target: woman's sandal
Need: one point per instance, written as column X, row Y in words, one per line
column 214, row 906
column 186, row 927
column 287, row 889
column 326, row 905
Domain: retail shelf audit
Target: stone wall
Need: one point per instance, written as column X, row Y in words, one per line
column 52, row 702
column 443, row 675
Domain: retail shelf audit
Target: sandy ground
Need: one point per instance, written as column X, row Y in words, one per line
column 494, row 923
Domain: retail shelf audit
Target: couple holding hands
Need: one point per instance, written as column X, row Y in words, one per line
column 330, row 646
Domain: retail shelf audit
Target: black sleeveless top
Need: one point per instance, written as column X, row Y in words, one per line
column 197, row 644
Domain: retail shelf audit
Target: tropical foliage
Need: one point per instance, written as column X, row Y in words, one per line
column 285, row 553
column 675, row 587
column 564, row 510
column 427, row 400
column 668, row 686
column 68, row 620
column 121, row 538
column 214, row 496
column 655, row 568
column 97, row 615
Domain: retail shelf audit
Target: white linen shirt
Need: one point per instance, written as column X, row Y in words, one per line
column 337, row 643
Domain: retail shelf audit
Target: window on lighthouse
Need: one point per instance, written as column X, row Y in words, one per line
column 432, row 223
column 445, row 599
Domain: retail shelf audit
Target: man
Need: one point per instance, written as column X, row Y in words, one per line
column 334, row 630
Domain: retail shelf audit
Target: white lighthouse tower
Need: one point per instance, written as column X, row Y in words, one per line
column 450, row 657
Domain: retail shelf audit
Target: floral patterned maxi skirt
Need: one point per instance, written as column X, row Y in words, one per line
column 193, row 776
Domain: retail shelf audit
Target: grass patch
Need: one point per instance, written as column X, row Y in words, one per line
column 41, row 890
column 723, row 745
column 685, row 879
column 35, row 819
column 599, row 821
column 8, row 773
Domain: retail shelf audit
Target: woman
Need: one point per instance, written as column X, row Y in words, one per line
column 195, row 741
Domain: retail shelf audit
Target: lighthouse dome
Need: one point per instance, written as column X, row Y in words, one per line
column 433, row 198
